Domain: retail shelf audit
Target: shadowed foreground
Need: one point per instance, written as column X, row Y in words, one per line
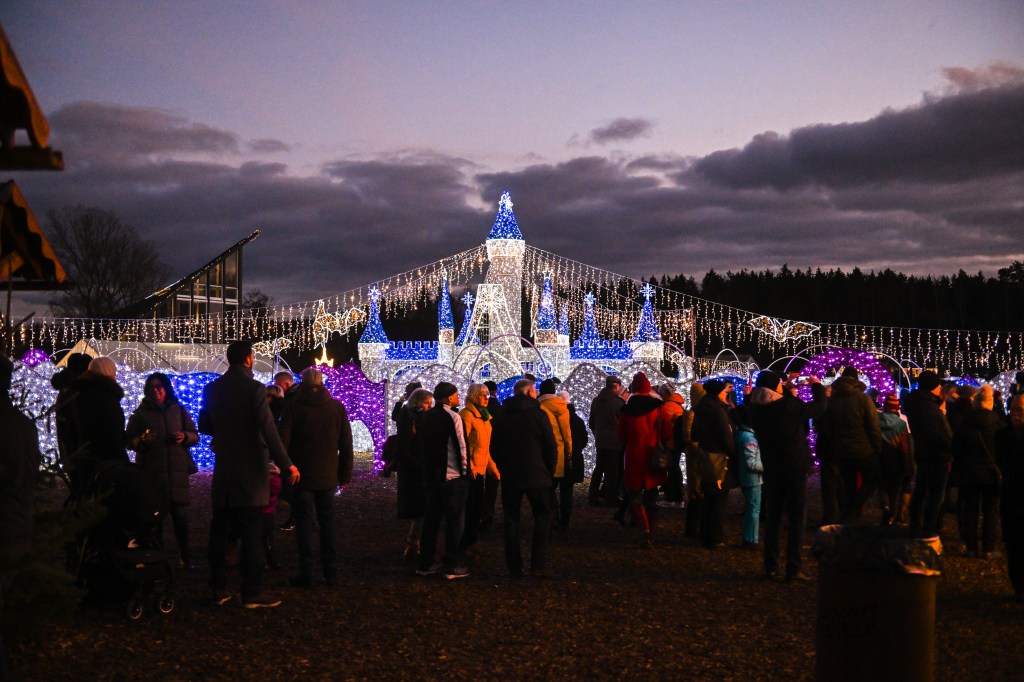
column 609, row 610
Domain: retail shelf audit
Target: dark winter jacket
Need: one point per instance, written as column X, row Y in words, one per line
column 712, row 427
column 166, row 463
column 1011, row 464
column 19, row 466
column 976, row 447
column 316, row 432
column 437, row 430
column 236, row 414
column 523, row 445
column 933, row 439
column 603, row 419
column 851, row 422
column 781, row 425
column 411, row 503
column 98, row 417
column 580, row 437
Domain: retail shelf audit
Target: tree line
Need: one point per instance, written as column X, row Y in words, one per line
column 885, row 299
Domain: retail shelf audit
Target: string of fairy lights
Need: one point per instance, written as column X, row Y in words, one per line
column 683, row 319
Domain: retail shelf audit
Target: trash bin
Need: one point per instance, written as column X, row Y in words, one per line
column 876, row 603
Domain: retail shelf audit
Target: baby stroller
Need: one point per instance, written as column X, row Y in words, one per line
column 121, row 559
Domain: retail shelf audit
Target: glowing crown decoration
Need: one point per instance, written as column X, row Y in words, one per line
column 505, row 226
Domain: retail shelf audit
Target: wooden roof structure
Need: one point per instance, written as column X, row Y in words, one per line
column 20, row 111
column 27, row 261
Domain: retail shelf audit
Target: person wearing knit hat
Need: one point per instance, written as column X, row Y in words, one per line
column 557, row 410
column 638, row 430
column 897, row 463
column 640, row 384
column 780, row 422
column 441, row 442
column 933, row 452
column 713, row 429
column 767, row 379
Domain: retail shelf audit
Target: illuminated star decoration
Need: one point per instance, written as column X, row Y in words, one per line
column 782, row 330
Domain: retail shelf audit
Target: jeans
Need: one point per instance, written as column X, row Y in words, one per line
column 511, row 501
column 445, row 501
column 247, row 524
column 751, row 512
column 787, row 496
column 929, row 493
column 308, row 504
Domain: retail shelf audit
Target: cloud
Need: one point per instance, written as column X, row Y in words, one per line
column 993, row 75
column 268, row 146
column 955, row 138
column 930, row 189
column 621, row 130
column 96, row 130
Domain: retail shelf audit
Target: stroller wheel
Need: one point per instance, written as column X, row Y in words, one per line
column 166, row 605
column 134, row 610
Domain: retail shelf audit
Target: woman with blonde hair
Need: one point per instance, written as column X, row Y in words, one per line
column 477, row 421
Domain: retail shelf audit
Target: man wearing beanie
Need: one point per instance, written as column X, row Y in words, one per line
column 441, row 447
column 712, row 428
column 933, row 452
column 852, row 427
column 557, row 410
column 780, row 422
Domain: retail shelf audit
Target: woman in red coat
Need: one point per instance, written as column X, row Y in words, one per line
column 639, row 424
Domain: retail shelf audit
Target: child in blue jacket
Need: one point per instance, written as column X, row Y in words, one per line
column 749, row 473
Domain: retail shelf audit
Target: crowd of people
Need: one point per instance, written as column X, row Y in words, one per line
column 454, row 457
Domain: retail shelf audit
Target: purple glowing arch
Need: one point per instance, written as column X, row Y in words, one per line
column 865, row 362
column 362, row 398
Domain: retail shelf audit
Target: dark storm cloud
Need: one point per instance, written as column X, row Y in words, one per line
column 950, row 139
column 876, row 194
column 621, row 130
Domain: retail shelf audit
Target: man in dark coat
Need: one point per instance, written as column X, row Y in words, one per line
column 1011, row 462
column 63, row 381
column 713, row 430
column 781, row 424
column 523, row 448
column 603, row 421
column 317, row 434
column 855, row 438
column 441, row 449
column 236, row 414
column 933, row 452
column 19, row 464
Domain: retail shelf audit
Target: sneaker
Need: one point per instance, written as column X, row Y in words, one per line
column 288, row 525
column 798, row 577
column 220, row 597
column 425, row 572
column 260, row 602
column 456, row 573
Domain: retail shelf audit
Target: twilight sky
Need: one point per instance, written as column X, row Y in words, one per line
column 645, row 138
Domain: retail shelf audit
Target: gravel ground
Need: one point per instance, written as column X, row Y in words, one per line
column 609, row 610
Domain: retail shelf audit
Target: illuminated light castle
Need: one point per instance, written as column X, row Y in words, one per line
column 489, row 344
